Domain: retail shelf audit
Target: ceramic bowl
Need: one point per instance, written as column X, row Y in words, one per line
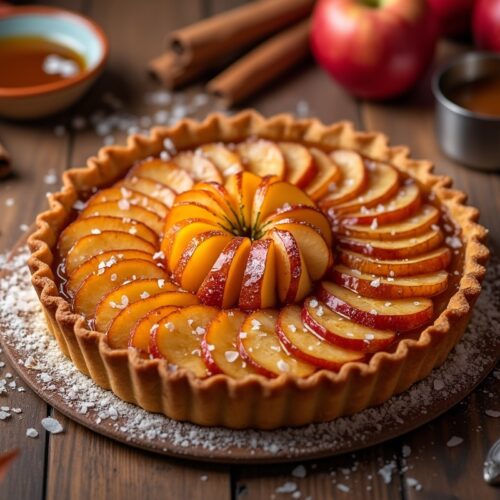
column 69, row 28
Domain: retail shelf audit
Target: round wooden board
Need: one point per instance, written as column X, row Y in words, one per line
column 311, row 442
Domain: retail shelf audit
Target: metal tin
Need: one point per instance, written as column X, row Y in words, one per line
column 468, row 137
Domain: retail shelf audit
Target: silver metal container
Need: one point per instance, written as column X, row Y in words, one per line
column 467, row 137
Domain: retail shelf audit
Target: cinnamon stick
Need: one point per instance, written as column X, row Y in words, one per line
column 169, row 70
column 207, row 41
column 262, row 65
column 5, row 169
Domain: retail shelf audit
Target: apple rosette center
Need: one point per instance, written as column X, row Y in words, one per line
column 254, row 242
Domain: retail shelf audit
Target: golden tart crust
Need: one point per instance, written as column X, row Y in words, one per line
column 254, row 401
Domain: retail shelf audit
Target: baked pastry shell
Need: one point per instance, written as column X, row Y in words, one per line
column 254, row 401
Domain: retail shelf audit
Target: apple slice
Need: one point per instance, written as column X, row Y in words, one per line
column 221, row 286
column 107, row 241
column 113, row 302
column 272, row 195
column 125, row 210
column 151, row 188
column 300, row 166
column 259, row 279
column 396, row 249
column 220, row 345
column 305, row 345
column 221, row 195
column 178, row 338
column 417, row 224
column 118, row 334
column 184, row 211
column 242, row 187
column 425, row 263
column 304, row 213
column 369, row 285
column 328, row 174
column 317, row 254
column 166, row 172
column 353, row 181
column 262, row 157
column 383, row 184
column 142, row 331
column 98, row 263
column 97, row 286
column 341, row 331
column 197, row 166
column 95, row 225
column 222, row 157
column 293, row 279
column 406, row 202
column 400, row 314
column 259, row 345
column 180, row 235
column 132, row 197
column 198, row 258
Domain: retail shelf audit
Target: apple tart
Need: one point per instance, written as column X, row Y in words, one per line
column 224, row 272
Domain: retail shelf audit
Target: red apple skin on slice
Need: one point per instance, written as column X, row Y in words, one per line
column 425, row 263
column 221, row 287
column 259, row 345
column 368, row 285
column 401, row 315
column 341, row 331
column 302, row 343
column 300, row 166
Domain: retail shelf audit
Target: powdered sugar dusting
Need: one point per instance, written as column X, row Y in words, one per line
column 22, row 324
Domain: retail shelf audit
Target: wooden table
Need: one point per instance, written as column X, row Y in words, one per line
column 80, row 464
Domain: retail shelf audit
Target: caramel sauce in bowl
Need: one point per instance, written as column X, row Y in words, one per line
column 467, row 93
column 49, row 57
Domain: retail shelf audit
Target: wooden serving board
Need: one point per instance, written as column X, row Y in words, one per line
column 311, row 442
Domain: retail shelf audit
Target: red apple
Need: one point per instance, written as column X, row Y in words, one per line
column 486, row 25
column 375, row 48
column 452, row 16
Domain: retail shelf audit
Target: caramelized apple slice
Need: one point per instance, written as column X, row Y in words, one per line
column 97, row 285
column 183, row 211
column 242, row 188
column 180, row 235
column 118, row 334
column 220, row 345
column 262, row 157
column 272, row 195
column 341, row 331
column 221, row 286
column 98, row 263
column 130, row 196
column 353, row 181
column 197, row 166
column 327, row 175
column 94, row 244
column 198, row 258
column 166, row 172
column 316, row 253
column 221, row 195
column 405, row 202
column 369, row 285
column 417, row 224
column 96, row 225
column 305, row 345
column 116, row 300
column 304, row 213
column 396, row 249
column 259, row 345
column 399, row 314
column 300, row 166
column 140, row 336
column 258, row 287
column 293, row 279
column 383, row 184
column 149, row 187
column 125, row 210
column 179, row 335
column 222, row 157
